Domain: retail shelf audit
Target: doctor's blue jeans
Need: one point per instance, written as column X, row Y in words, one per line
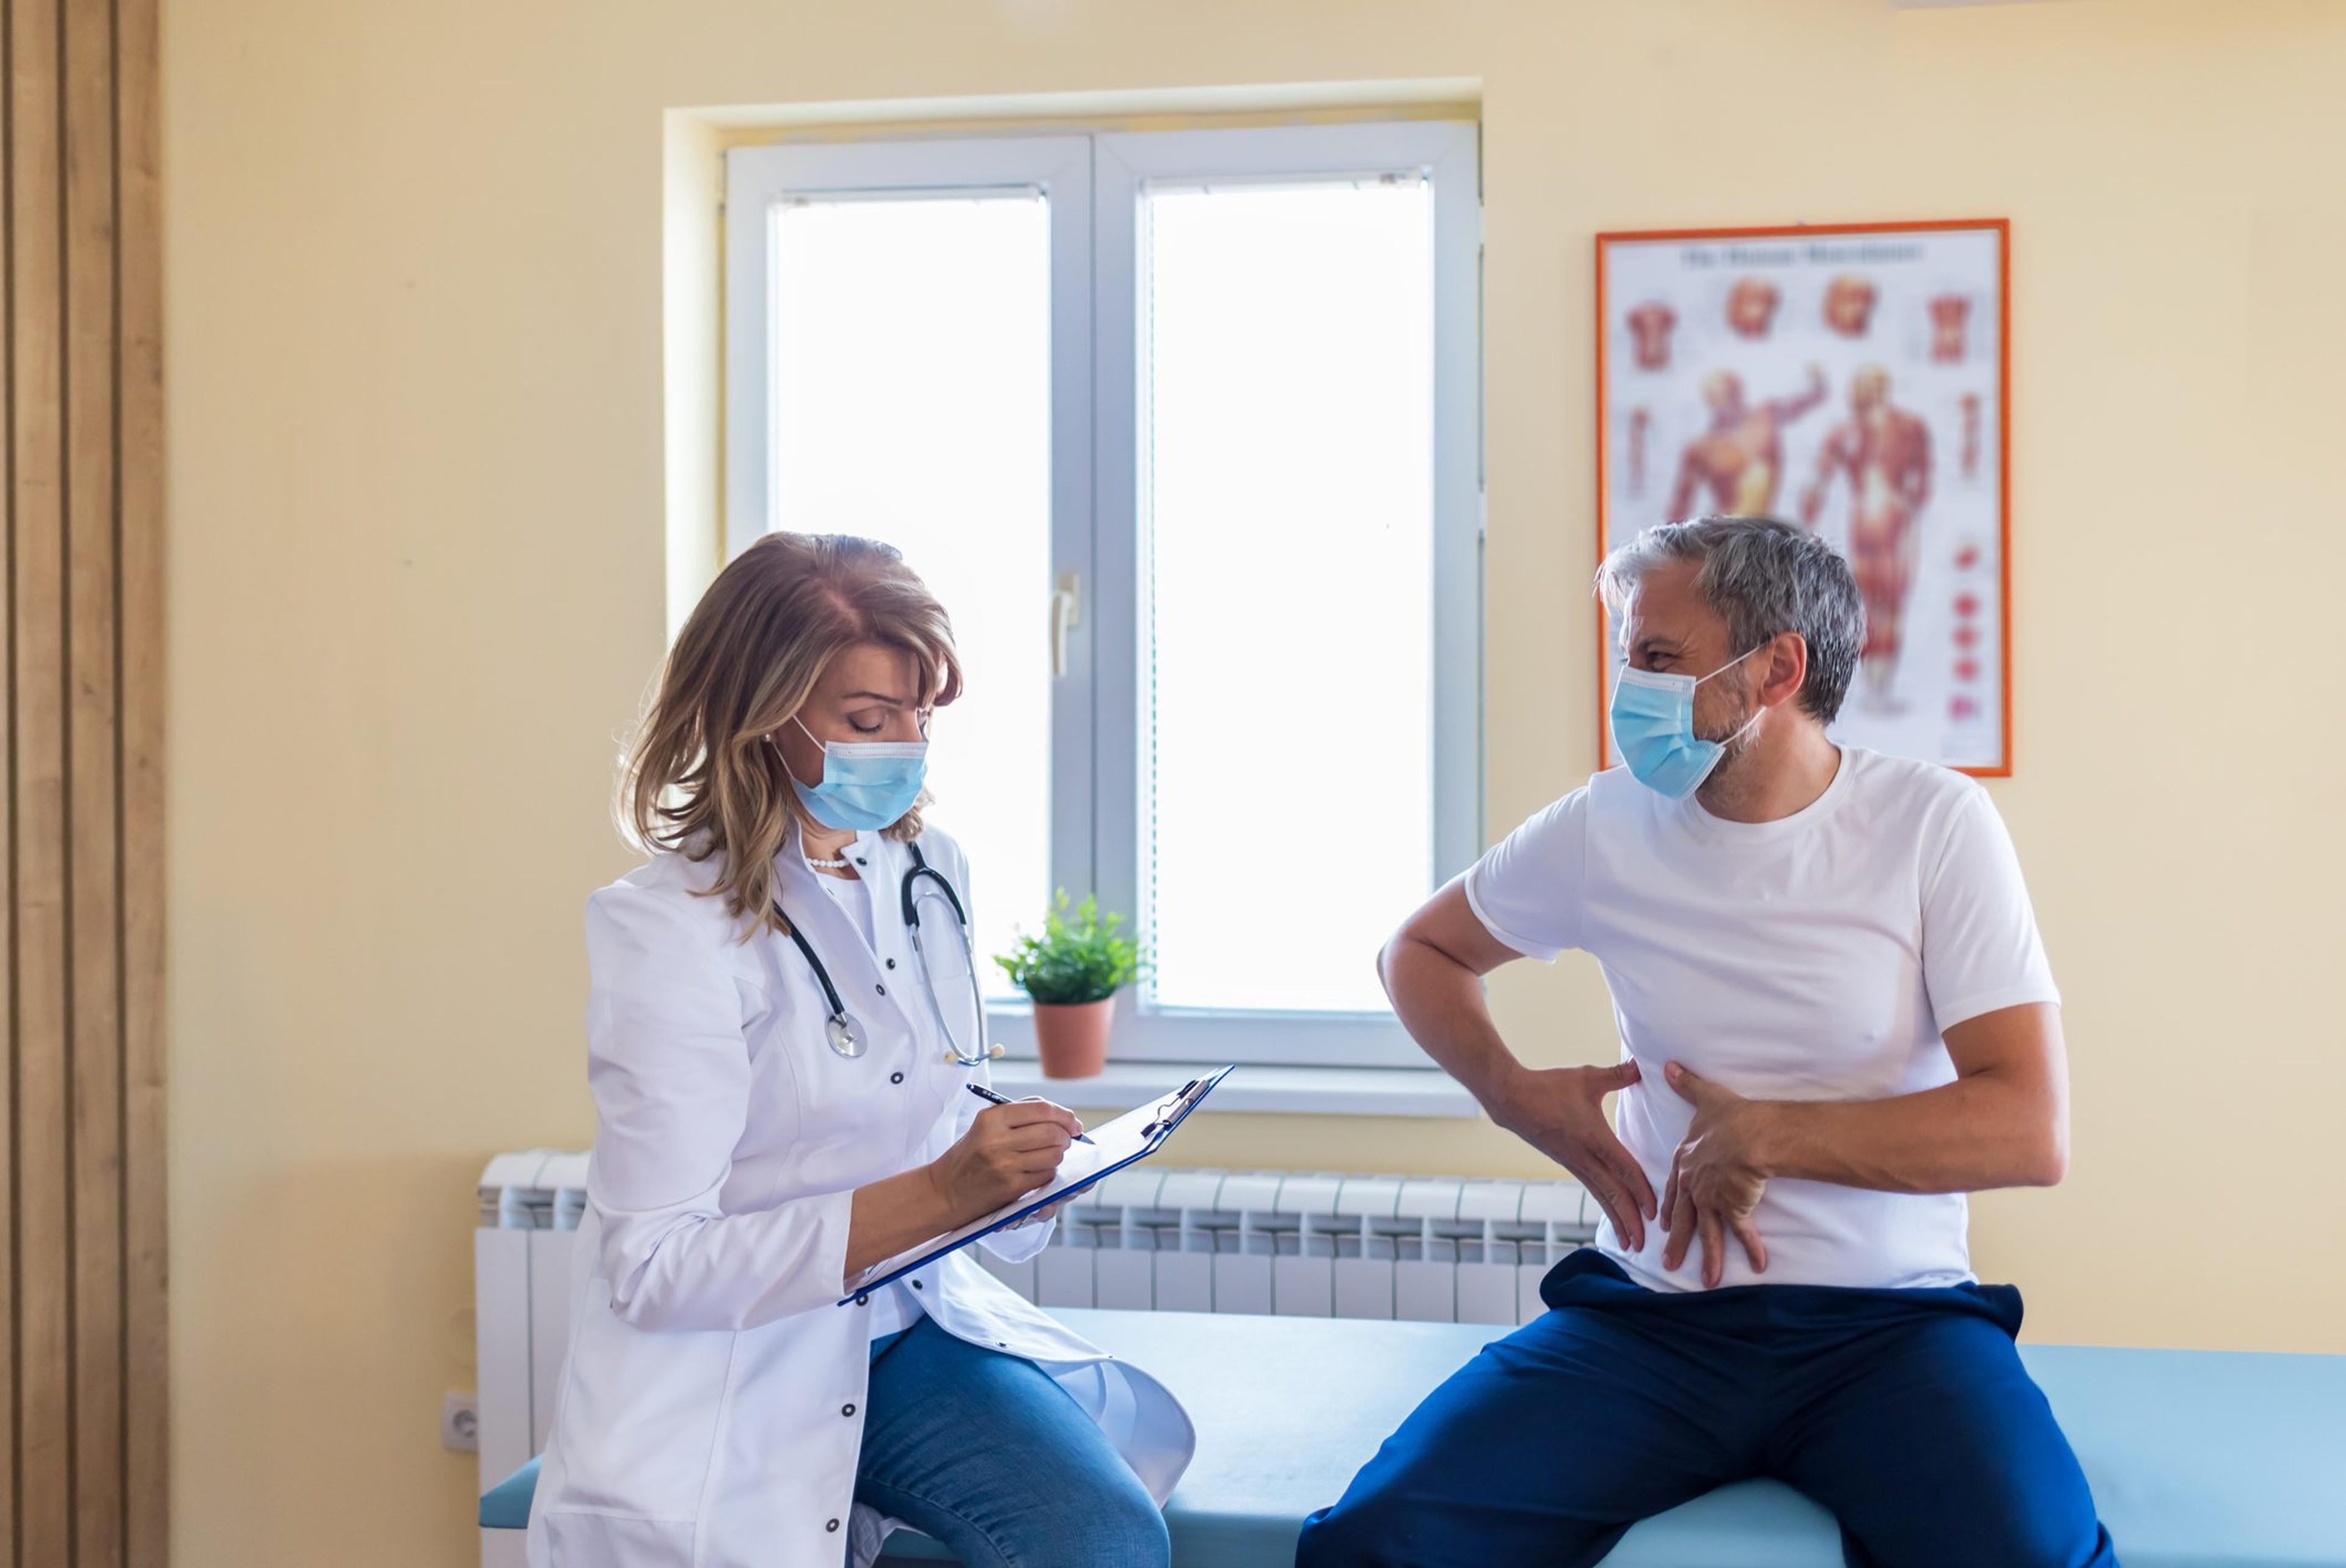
column 1906, row 1412
column 984, row 1453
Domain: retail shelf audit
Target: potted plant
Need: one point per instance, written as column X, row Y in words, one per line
column 1071, row 972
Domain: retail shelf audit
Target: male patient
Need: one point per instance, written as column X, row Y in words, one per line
column 1837, row 1019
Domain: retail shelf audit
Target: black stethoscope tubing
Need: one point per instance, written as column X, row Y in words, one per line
column 842, row 1028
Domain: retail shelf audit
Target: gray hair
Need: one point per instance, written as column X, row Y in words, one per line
column 1766, row 577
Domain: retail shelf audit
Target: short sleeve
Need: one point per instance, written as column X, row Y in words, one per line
column 1527, row 889
column 1981, row 950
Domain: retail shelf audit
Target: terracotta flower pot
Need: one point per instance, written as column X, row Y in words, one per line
column 1071, row 1038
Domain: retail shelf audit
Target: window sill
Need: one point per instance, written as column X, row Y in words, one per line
column 1289, row 1091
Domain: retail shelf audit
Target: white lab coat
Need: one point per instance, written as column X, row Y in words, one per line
column 711, row 1407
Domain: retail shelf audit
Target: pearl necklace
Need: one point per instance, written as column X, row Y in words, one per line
column 838, row 865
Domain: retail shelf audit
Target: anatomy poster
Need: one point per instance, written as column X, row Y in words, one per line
column 1852, row 381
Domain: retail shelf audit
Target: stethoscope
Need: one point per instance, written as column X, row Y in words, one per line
column 840, row 1029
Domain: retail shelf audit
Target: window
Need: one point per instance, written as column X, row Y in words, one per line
column 1183, row 429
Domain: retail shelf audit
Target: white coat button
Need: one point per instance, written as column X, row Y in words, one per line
column 832, row 1525
column 847, row 1410
column 862, row 862
column 896, row 1077
column 891, row 964
column 916, row 1284
column 863, row 1300
column 881, row 989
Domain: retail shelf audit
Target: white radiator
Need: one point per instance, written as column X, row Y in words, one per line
column 1304, row 1245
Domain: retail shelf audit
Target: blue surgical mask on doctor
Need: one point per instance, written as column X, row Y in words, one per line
column 867, row 785
column 1653, row 726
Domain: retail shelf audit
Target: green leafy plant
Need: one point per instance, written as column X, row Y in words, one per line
column 1078, row 958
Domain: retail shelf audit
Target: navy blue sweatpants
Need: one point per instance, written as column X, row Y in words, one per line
column 1906, row 1412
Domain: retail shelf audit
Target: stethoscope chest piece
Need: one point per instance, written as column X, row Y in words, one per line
column 840, row 1032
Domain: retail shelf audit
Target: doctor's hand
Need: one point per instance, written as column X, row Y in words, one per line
column 1715, row 1179
column 1560, row 1111
column 1008, row 1150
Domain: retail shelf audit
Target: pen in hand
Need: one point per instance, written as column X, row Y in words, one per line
column 982, row 1093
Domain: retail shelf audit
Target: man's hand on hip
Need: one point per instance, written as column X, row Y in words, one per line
column 1560, row 1111
column 1714, row 1181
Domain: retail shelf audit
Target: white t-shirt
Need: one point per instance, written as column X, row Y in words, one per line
column 896, row 1305
column 853, row 896
column 1813, row 958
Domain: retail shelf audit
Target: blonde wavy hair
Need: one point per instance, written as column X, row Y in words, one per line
column 700, row 779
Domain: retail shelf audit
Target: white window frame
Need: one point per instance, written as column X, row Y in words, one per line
column 1094, row 185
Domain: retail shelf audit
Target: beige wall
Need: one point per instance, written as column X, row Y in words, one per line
column 417, row 562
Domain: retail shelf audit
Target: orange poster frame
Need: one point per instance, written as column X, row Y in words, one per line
column 2001, row 227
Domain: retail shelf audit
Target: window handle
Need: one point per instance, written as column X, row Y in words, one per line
column 1067, row 611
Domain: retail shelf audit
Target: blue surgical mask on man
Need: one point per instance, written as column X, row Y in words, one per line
column 1653, row 726
column 867, row 785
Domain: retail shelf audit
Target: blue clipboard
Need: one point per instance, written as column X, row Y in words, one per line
column 1161, row 1118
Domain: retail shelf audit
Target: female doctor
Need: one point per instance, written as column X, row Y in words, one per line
column 776, row 1119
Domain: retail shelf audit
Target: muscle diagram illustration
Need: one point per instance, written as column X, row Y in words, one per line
column 1640, row 422
column 1649, row 329
column 1884, row 452
column 1740, row 460
column 1849, row 305
column 1950, row 315
column 1751, row 307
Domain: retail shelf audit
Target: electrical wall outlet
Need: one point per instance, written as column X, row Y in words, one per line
column 460, row 1422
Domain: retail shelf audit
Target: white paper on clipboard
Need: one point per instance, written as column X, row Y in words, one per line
column 1135, row 1136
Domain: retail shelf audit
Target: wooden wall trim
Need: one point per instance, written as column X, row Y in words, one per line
column 83, row 1272
column 139, row 206
column 41, row 1180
